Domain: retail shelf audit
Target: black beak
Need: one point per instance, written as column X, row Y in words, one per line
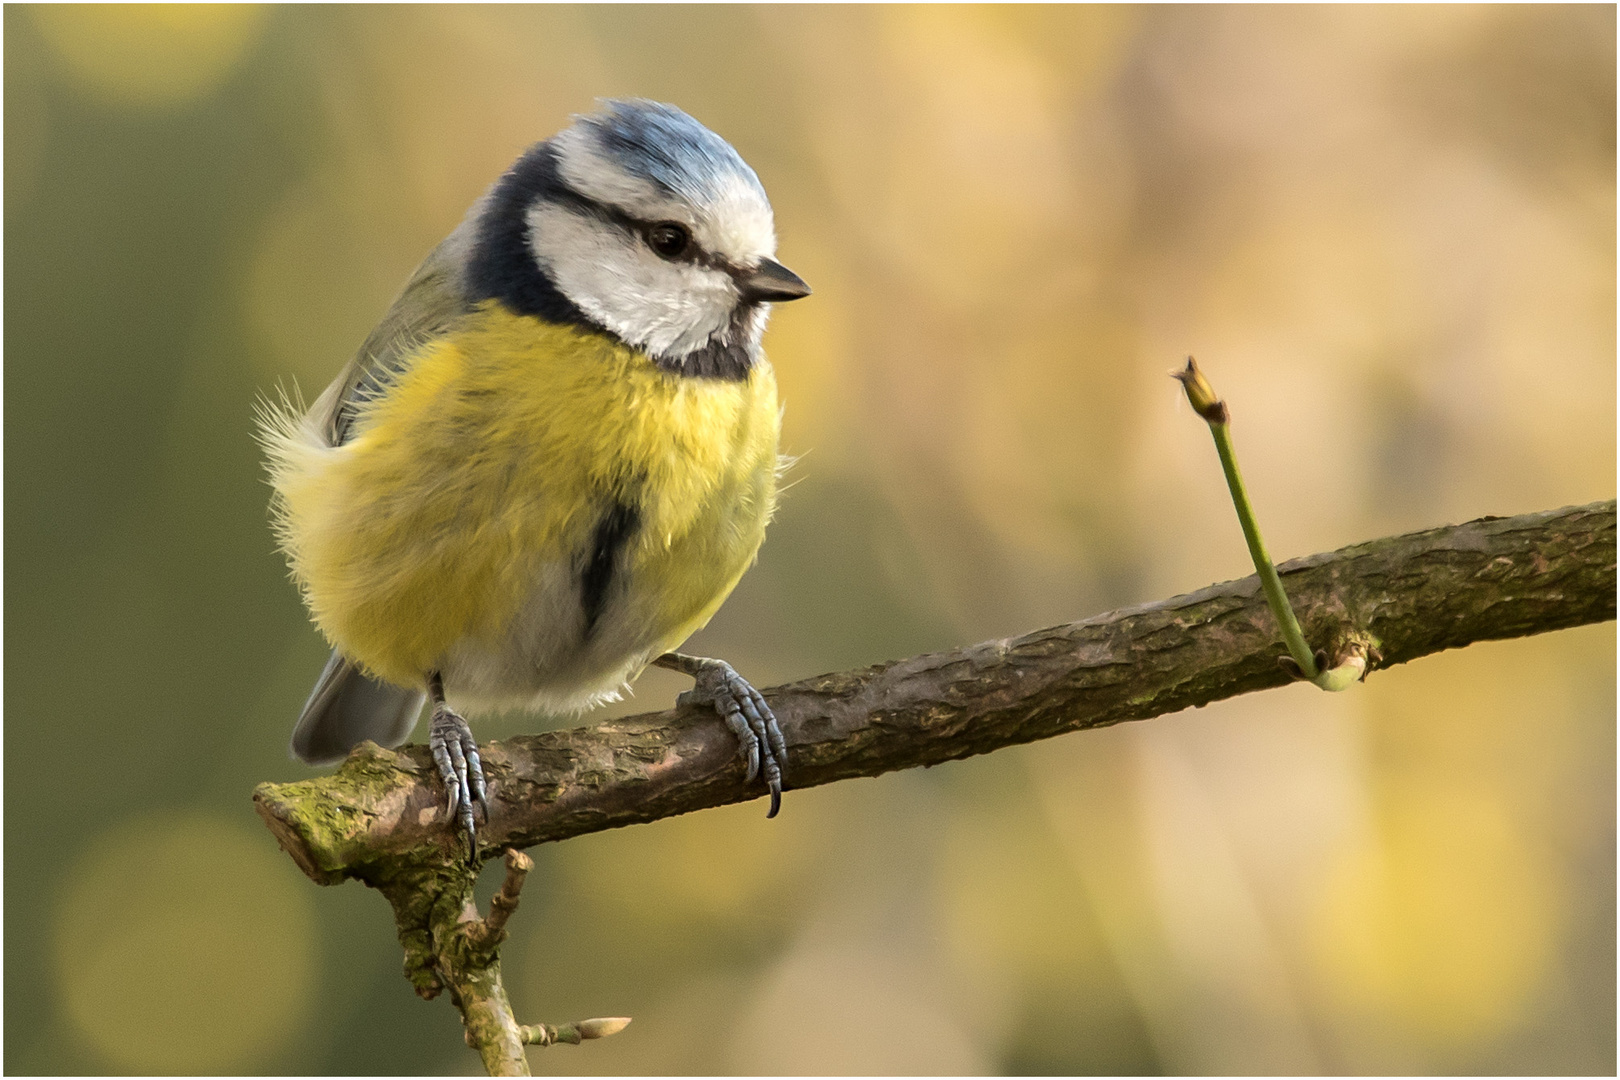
column 771, row 281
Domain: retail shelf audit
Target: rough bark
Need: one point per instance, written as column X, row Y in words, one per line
column 380, row 817
column 1405, row 596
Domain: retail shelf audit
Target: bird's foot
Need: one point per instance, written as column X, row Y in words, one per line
column 455, row 751
column 718, row 685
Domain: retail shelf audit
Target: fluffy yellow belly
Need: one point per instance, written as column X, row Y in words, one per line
column 455, row 531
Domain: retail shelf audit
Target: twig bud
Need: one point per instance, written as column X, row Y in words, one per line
column 1200, row 394
column 603, row 1026
column 574, row 1034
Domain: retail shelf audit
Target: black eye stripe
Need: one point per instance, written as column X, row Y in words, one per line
column 636, row 227
column 610, row 215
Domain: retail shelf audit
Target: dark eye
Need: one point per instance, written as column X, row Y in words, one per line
column 669, row 239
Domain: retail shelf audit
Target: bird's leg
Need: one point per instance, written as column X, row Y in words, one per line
column 455, row 751
column 743, row 710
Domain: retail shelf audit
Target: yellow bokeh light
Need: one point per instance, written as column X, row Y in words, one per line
column 810, row 349
column 184, row 944
column 1010, row 904
column 327, row 267
column 851, row 1008
column 1444, row 928
column 148, row 54
column 718, row 866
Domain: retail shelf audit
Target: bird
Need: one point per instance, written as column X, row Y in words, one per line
column 554, row 457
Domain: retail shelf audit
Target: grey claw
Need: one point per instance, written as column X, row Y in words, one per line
column 740, row 722
column 458, row 758
column 750, row 719
column 773, row 732
column 455, row 751
column 447, row 773
column 475, row 774
column 761, row 741
column 470, row 770
column 475, row 770
column 769, row 732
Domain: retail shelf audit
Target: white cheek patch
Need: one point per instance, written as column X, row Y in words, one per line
column 664, row 308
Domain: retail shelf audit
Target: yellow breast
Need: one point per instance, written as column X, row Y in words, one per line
column 492, row 458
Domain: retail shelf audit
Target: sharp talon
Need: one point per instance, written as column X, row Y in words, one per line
column 774, row 737
column 746, row 713
column 455, row 752
column 447, row 773
column 475, row 776
column 756, row 723
column 733, row 716
column 751, row 748
column 460, row 795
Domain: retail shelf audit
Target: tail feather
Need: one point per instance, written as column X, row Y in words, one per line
column 346, row 708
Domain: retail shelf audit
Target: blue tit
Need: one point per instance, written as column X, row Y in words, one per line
column 554, row 457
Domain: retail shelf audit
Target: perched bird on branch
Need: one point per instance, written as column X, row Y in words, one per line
column 554, row 457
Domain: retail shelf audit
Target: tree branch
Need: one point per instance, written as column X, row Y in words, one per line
column 1405, row 596
column 379, row 818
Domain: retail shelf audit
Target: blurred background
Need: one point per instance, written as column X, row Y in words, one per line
column 1387, row 233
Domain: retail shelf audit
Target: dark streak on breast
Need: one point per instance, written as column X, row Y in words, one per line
column 613, row 532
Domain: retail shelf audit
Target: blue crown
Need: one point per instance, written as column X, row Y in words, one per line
column 662, row 144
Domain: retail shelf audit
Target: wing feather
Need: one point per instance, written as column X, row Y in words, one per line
column 430, row 305
column 346, row 705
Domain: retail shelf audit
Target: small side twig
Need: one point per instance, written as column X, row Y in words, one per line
column 490, row 932
column 449, row 947
column 1302, row 662
column 599, row 1028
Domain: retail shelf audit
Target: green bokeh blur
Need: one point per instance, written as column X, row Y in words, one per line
column 1387, row 233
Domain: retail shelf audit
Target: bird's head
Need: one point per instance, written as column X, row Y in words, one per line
column 641, row 222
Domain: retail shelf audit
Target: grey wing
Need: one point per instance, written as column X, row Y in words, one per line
column 430, row 304
column 346, row 708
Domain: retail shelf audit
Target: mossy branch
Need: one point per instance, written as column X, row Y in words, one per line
column 379, row 818
column 448, row 947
